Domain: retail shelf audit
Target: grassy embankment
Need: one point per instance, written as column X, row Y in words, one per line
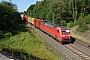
column 78, row 35
column 81, row 28
column 32, row 43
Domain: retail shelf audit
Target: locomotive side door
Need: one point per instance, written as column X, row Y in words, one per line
column 58, row 35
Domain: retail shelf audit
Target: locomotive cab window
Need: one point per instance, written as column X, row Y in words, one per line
column 42, row 22
column 65, row 31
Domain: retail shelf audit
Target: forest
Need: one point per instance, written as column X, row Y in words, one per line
column 64, row 12
column 10, row 19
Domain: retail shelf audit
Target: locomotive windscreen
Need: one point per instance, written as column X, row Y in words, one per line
column 65, row 31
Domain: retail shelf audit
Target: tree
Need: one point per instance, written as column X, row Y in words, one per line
column 58, row 11
column 10, row 20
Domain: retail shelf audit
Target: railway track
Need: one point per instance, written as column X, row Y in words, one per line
column 83, row 49
column 77, row 52
column 83, row 44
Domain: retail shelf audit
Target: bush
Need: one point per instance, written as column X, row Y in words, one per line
column 82, row 28
column 8, row 34
column 20, row 53
column 71, row 24
column 87, row 19
column 83, row 24
column 1, row 34
column 77, row 22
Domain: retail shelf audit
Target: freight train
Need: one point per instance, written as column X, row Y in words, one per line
column 60, row 33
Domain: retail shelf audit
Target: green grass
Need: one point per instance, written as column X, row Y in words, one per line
column 32, row 43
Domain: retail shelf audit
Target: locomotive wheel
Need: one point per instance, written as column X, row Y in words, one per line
column 61, row 42
column 72, row 40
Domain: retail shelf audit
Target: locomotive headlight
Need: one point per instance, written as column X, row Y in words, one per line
column 69, row 35
column 63, row 35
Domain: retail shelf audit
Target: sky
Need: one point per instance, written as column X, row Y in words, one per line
column 23, row 4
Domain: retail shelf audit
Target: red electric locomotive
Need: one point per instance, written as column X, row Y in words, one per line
column 61, row 33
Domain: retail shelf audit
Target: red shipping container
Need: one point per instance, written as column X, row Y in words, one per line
column 37, row 22
column 26, row 18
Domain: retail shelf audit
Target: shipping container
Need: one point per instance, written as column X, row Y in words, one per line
column 26, row 18
column 33, row 21
column 29, row 19
column 37, row 22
